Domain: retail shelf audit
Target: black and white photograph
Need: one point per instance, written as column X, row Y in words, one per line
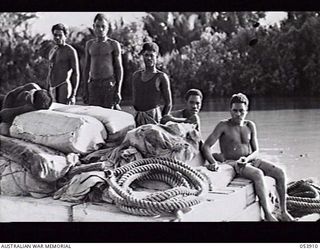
column 166, row 117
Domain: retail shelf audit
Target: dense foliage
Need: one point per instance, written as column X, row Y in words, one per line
column 213, row 51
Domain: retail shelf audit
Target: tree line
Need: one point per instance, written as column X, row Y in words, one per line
column 218, row 52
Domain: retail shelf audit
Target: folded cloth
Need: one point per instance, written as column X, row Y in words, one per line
column 173, row 140
column 80, row 186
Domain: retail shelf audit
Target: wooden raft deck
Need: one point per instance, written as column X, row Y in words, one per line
column 236, row 202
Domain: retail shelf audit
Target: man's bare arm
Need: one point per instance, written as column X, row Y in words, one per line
column 8, row 114
column 211, row 141
column 10, row 98
column 166, row 93
column 74, row 64
column 253, row 142
column 118, row 67
column 86, row 70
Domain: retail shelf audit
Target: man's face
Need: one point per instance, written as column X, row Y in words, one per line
column 238, row 112
column 149, row 58
column 194, row 104
column 59, row 37
column 100, row 28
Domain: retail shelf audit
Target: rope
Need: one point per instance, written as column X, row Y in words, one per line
column 187, row 186
column 303, row 198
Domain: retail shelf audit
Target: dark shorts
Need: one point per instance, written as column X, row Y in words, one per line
column 101, row 92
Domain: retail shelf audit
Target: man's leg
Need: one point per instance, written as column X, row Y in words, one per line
column 257, row 176
column 62, row 93
column 109, row 91
column 95, row 93
column 280, row 177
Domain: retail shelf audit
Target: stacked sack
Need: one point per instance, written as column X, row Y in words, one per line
column 30, row 169
column 47, row 143
column 117, row 123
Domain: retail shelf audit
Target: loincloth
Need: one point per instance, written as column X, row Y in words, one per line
column 152, row 116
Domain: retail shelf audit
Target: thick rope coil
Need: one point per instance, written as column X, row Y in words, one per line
column 188, row 185
column 303, row 198
column 122, row 197
column 170, row 180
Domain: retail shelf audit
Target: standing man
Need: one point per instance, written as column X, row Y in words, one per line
column 239, row 148
column 63, row 76
column 190, row 114
column 149, row 85
column 103, row 71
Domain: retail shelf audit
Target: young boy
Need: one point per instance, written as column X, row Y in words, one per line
column 239, row 148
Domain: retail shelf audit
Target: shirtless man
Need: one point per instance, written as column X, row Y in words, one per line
column 190, row 114
column 20, row 100
column 239, row 148
column 63, row 75
column 103, row 71
column 148, row 86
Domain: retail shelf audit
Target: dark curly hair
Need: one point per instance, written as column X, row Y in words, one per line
column 59, row 26
column 193, row 92
column 42, row 99
column 239, row 98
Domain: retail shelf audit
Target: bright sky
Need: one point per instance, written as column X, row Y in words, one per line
column 45, row 21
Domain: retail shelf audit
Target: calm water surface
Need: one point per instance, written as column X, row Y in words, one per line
column 288, row 132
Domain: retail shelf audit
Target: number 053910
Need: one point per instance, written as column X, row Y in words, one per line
column 308, row 245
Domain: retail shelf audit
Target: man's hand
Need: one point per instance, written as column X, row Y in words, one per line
column 193, row 119
column 165, row 119
column 242, row 161
column 71, row 100
column 85, row 97
column 117, row 97
column 212, row 166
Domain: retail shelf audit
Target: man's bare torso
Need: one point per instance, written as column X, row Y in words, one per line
column 60, row 65
column 101, row 56
column 235, row 140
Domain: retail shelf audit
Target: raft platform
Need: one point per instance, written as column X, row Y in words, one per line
column 234, row 202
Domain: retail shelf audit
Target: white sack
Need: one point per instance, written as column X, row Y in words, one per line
column 117, row 123
column 68, row 133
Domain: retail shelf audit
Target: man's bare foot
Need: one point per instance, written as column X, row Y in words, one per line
column 270, row 217
column 285, row 216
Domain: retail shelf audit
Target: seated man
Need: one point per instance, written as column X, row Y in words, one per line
column 20, row 100
column 239, row 148
column 189, row 114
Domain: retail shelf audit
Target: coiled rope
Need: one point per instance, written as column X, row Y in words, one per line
column 303, row 198
column 187, row 186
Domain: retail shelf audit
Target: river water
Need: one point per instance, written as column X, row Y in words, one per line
column 288, row 132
